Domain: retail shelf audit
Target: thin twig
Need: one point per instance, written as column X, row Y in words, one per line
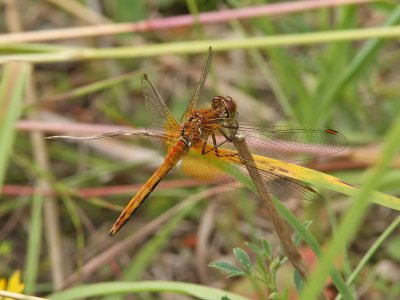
column 280, row 226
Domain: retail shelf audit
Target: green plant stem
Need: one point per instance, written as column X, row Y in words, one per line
column 188, row 47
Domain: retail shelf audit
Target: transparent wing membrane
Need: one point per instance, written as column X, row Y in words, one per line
column 291, row 145
column 192, row 104
column 160, row 117
column 285, row 143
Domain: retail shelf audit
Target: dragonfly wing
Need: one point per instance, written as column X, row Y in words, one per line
column 192, row 105
column 161, row 119
column 225, row 168
column 206, row 169
column 283, row 187
column 292, row 145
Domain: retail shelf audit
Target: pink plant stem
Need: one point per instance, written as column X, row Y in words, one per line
column 174, row 22
column 24, row 190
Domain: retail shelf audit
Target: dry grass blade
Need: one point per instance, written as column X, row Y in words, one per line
column 52, row 215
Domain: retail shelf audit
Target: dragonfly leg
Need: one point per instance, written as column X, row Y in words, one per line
column 203, row 150
column 216, row 146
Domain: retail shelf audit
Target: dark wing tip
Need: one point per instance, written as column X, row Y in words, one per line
column 331, row 131
column 340, row 138
column 315, row 196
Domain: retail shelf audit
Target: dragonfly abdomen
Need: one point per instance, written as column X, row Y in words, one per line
column 172, row 158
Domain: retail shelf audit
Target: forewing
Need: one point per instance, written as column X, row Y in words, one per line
column 292, row 144
column 192, row 104
column 160, row 117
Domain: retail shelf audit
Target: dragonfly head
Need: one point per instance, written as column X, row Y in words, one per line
column 225, row 105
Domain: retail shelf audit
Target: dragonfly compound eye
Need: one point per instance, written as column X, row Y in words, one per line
column 230, row 106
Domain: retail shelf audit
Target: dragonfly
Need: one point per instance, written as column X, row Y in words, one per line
column 201, row 144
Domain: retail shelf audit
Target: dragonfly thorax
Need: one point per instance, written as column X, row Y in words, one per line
column 192, row 128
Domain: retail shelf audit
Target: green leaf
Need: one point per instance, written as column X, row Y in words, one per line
column 275, row 264
column 297, row 236
column 298, row 280
column 254, row 248
column 266, row 247
column 243, row 258
column 231, row 270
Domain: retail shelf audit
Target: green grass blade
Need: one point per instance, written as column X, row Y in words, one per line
column 307, row 236
column 363, row 58
column 94, row 87
column 371, row 251
column 332, row 62
column 353, row 217
column 286, row 68
column 12, row 88
column 269, row 75
column 112, row 288
column 33, row 245
column 191, row 47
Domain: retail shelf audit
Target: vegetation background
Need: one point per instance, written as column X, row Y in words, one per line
column 323, row 64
